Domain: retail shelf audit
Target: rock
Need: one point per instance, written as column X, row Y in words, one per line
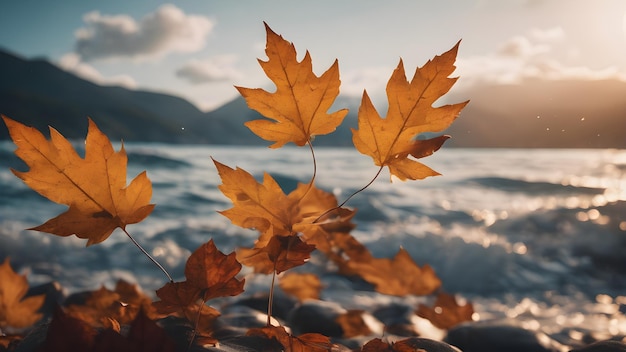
column 603, row 346
column 236, row 320
column 397, row 319
column 247, row 344
column 55, row 296
column 318, row 317
column 429, row 345
column 477, row 337
column 281, row 307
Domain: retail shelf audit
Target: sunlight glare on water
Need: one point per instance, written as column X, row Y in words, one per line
column 533, row 237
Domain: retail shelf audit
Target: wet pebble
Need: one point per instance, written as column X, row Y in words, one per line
column 603, row 346
column 477, row 337
column 316, row 317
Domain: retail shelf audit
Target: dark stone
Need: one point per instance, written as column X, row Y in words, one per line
column 247, row 344
column 54, row 297
column 429, row 345
column 236, row 320
column 316, row 317
column 281, row 307
column 603, row 346
column 476, row 337
column 397, row 319
column 77, row 298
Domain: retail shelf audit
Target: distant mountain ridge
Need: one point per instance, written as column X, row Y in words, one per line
column 587, row 114
column 544, row 114
column 38, row 93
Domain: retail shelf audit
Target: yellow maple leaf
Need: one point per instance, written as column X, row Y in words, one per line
column 262, row 206
column 399, row 276
column 299, row 106
column 301, row 285
column 390, row 141
column 446, row 312
column 94, row 187
column 15, row 310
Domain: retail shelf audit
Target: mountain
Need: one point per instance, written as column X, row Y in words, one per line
column 37, row 93
column 543, row 114
column 561, row 114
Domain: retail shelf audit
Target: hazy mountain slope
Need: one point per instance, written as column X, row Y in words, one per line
column 38, row 93
column 572, row 114
column 587, row 114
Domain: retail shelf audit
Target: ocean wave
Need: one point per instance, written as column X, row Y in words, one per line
column 150, row 160
column 529, row 187
column 498, row 224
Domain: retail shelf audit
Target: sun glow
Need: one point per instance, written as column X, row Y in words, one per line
column 624, row 25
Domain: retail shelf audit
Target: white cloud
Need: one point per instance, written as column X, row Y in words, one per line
column 372, row 79
column 166, row 30
column 526, row 57
column 522, row 48
column 520, row 58
column 72, row 63
column 215, row 69
column 549, row 34
column 553, row 70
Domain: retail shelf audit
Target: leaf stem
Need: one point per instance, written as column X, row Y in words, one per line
column 148, row 255
column 314, row 169
column 195, row 326
column 270, row 300
column 314, row 162
column 352, row 195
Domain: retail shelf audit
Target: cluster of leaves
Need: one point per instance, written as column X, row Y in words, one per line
column 290, row 226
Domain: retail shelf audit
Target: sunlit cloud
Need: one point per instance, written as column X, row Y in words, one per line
column 547, row 35
column 517, row 59
column 164, row 31
column 214, row 69
column 372, row 79
column 72, row 63
column 520, row 58
column 527, row 57
column 520, row 47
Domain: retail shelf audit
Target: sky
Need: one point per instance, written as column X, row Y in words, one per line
column 201, row 49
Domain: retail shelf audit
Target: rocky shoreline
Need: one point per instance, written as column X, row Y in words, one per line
column 385, row 325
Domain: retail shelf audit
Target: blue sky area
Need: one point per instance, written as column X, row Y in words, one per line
column 200, row 49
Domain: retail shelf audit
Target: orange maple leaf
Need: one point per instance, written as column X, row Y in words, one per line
column 301, row 285
column 310, row 342
column 299, row 106
column 10, row 342
column 286, row 222
column 353, row 324
column 446, row 311
column 411, row 344
column 94, row 187
column 346, row 249
column 264, row 207
column 67, row 333
column 213, row 273
column 376, row 345
column 143, row 335
column 181, row 300
column 281, row 253
column 210, row 274
column 103, row 307
column 390, row 141
column 399, row 276
column 312, row 202
column 15, row 310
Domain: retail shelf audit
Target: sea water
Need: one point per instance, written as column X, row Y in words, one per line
column 535, row 236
